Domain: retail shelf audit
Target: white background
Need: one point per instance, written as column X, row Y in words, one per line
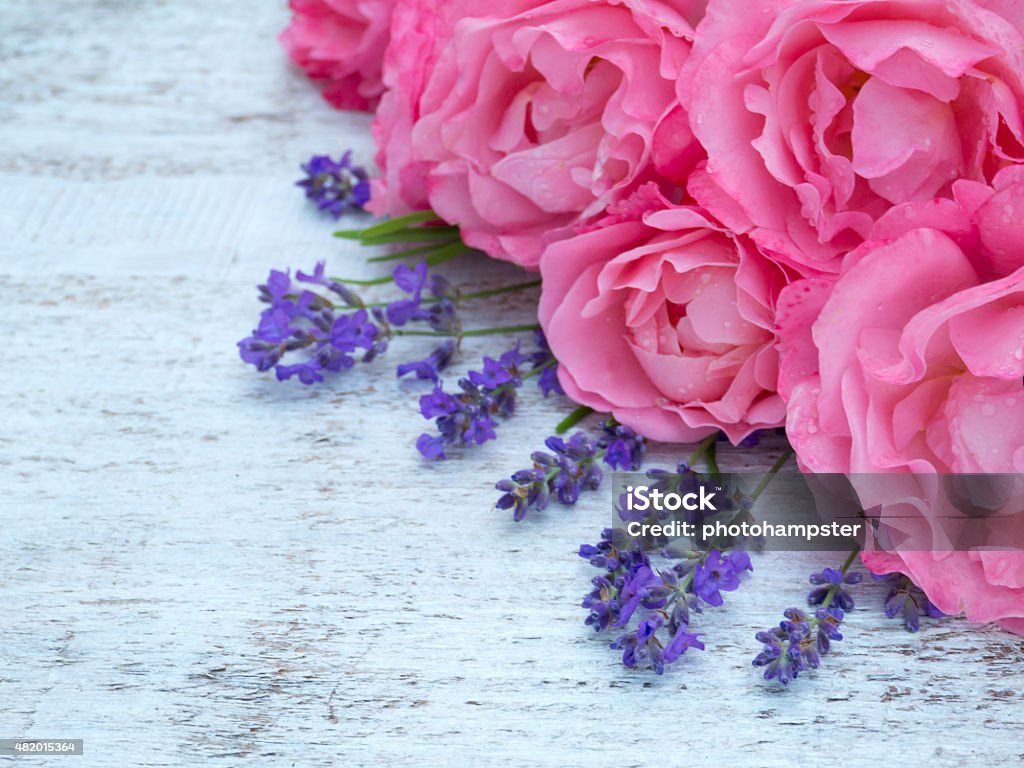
column 201, row 566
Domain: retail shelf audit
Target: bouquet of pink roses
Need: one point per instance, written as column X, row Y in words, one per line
column 745, row 214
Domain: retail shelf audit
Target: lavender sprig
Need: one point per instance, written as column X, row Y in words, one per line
column 907, row 600
column 302, row 320
column 655, row 604
column 830, row 583
column 299, row 319
column 800, row 640
column 335, row 186
column 570, row 468
column 469, row 417
column 660, row 602
column 544, row 361
column 311, row 328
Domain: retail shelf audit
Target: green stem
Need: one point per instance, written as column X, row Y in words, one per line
column 681, row 589
column 843, row 569
column 704, row 447
column 391, row 225
column 474, row 295
column 499, row 291
column 474, row 332
column 706, row 443
column 834, row 590
column 372, row 281
column 447, row 253
column 410, row 252
column 573, row 419
column 509, row 385
column 504, row 329
column 536, row 371
column 710, row 456
column 849, row 559
column 776, row 467
column 417, row 235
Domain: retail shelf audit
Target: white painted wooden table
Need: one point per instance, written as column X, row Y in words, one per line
column 203, row 567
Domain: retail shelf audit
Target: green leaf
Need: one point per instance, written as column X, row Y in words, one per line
column 409, row 252
column 390, row 225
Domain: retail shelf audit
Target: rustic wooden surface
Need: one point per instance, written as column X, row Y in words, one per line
column 203, row 567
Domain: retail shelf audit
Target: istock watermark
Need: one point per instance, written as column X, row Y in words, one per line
column 797, row 511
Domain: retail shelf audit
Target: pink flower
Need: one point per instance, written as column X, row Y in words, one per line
column 819, row 116
column 517, row 120
column 667, row 323
column 913, row 364
column 341, row 42
column 987, row 222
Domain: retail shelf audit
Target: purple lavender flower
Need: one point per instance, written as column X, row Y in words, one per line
column 714, row 575
column 485, row 395
column 570, row 469
column 783, row 655
column 624, row 448
column 355, row 331
column 646, row 645
column 498, row 372
column 642, row 585
column 681, row 642
column 526, row 489
column 800, row 640
column 347, row 295
column 431, row 366
column 443, row 317
column 309, row 325
column 907, row 600
column 620, row 559
column 739, row 561
column 441, row 288
column 411, row 280
column 468, row 418
column 276, row 288
column 301, row 320
column 431, row 447
column 574, row 466
column 630, row 589
column 829, row 620
column 614, row 551
column 832, row 580
column 544, row 359
column 335, row 186
column 602, row 603
column 643, row 645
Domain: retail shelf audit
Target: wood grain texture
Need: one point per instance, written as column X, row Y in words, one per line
column 202, row 566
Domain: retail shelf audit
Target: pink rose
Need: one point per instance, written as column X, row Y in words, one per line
column 341, row 42
column 517, row 120
column 913, row 364
column 987, row 222
column 667, row 323
column 819, row 116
